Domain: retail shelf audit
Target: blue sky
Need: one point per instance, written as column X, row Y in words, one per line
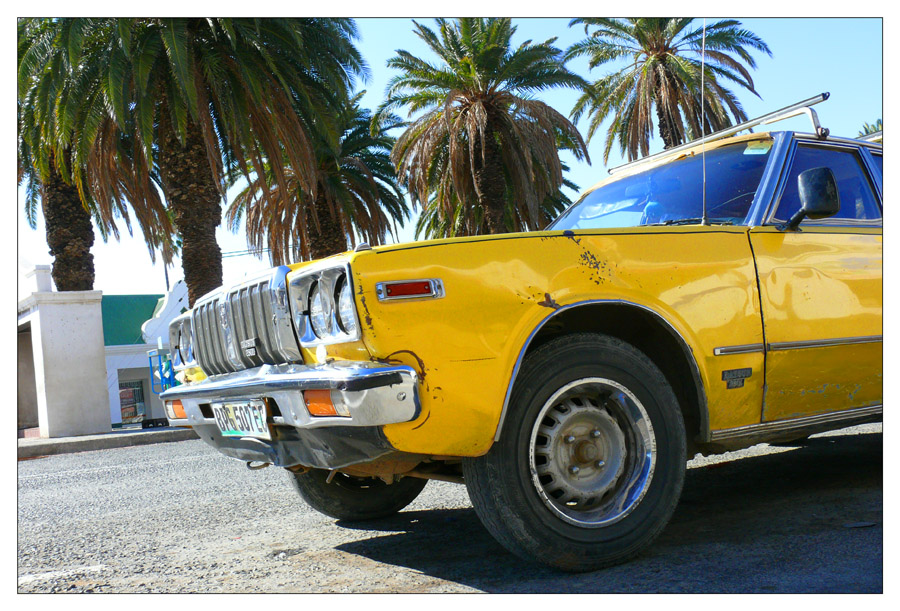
column 809, row 56
column 841, row 56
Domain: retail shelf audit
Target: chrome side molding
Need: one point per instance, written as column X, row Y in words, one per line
column 823, row 343
column 796, row 425
column 798, row 345
column 743, row 349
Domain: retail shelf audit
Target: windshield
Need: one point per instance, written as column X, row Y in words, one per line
column 672, row 193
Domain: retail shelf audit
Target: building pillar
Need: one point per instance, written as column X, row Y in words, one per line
column 69, row 362
column 112, row 386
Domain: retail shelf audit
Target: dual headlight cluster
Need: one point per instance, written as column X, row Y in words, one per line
column 321, row 305
column 323, row 308
column 182, row 341
column 342, row 305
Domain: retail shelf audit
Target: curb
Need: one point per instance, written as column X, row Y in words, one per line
column 34, row 447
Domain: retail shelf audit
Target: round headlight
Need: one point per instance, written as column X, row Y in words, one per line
column 345, row 307
column 317, row 316
column 185, row 346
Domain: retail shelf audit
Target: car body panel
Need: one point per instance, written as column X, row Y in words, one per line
column 820, row 285
column 499, row 289
column 739, row 298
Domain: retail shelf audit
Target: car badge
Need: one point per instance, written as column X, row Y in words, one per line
column 249, row 347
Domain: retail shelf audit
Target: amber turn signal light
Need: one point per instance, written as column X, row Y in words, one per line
column 318, row 403
column 175, row 410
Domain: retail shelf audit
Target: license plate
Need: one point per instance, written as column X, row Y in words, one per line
column 242, row 419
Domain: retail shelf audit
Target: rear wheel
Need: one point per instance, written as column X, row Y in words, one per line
column 591, row 460
column 355, row 498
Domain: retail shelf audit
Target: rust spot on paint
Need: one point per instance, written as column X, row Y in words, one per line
column 594, row 265
column 589, row 260
column 548, row 302
column 368, row 318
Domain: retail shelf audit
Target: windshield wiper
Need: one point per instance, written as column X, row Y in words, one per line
column 696, row 221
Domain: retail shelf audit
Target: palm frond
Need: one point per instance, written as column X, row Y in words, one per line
column 480, row 145
column 665, row 75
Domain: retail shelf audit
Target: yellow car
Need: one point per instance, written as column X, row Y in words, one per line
column 564, row 376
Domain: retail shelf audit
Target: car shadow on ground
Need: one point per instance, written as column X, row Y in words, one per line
column 805, row 519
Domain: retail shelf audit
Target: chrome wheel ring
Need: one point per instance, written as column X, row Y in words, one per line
column 592, row 452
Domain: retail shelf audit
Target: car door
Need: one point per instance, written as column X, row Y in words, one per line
column 821, row 290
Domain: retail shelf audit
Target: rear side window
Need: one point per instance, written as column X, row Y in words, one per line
column 858, row 200
column 878, row 162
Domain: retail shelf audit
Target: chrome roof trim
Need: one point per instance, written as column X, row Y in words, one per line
column 876, row 137
column 778, row 115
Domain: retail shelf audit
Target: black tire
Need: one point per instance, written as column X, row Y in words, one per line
column 355, row 498
column 524, row 490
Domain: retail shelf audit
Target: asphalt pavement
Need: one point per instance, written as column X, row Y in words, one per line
column 180, row 517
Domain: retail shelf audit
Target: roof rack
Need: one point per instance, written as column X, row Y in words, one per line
column 873, row 137
column 779, row 115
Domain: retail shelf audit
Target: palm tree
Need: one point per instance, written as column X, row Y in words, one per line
column 482, row 139
column 871, row 128
column 434, row 221
column 356, row 194
column 44, row 159
column 195, row 96
column 663, row 72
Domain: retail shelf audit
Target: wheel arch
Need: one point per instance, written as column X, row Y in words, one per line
column 643, row 328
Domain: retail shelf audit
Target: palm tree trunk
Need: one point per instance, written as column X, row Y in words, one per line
column 70, row 235
column 666, row 130
column 330, row 239
column 190, row 189
column 491, row 183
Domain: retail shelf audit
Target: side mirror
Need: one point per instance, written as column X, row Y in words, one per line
column 819, row 197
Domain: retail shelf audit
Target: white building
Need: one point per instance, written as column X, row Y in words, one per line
column 82, row 357
column 132, row 326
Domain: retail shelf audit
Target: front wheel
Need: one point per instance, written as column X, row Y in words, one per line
column 591, row 460
column 354, row 498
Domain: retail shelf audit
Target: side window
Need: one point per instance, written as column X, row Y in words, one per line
column 858, row 201
column 878, row 162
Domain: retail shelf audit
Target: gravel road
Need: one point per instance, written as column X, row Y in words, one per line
column 179, row 517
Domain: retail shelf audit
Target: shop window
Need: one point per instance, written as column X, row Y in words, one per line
column 131, row 400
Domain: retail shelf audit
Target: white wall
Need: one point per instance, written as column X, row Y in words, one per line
column 69, row 362
column 75, row 377
column 26, row 395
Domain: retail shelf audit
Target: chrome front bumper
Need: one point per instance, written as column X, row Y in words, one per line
column 368, row 395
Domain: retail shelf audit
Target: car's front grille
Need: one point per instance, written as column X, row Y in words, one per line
column 210, row 342
column 245, row 326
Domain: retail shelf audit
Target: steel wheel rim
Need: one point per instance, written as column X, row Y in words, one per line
column 592, row 452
